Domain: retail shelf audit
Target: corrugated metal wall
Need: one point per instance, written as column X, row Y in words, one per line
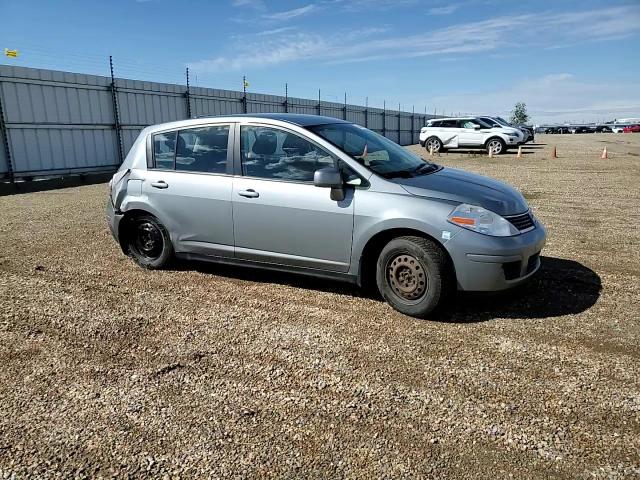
column 58, row 123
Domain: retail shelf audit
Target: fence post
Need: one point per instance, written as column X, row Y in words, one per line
column 384, row 118
column 187, row 96
column 116, row 112
column 5, row 140
column 366, row 112
column 319, row 103
column 413, row 125
column 399, row 122
column 244, row 94
column 286, row 98
column 344, row 110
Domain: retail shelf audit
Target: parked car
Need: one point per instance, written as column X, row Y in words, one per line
column 631, row 129
column 527, row 131
column 468, row 132
column 582, row 129
column 324, row 197
column 499, row 122
column 618, row 128
column 603, row 129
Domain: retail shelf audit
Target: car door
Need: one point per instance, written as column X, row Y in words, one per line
column 470, row 133
column 449, row 133
column 189, row 184
column 279, row 216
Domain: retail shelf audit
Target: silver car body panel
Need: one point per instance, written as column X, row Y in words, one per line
column 295, row 226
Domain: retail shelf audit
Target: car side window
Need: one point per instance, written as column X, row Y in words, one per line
column 164, row 150
column 203, row 149
column 268, row 152
column 468, row 124
column 449, row 124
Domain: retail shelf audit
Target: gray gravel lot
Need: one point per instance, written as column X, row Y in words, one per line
column 208, row 371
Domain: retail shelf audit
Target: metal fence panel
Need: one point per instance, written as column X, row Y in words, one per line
column 4, row 166
column 61, row 122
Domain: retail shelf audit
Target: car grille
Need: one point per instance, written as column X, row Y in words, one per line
column 522, row 222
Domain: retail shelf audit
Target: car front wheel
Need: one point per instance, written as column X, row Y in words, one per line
column 148, row 242
column 413, row 275
column 496, row 146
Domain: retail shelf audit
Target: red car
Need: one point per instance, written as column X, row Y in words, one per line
column 631, row 129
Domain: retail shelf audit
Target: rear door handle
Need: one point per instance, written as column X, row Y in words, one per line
column 250, row 193
column 160, row 184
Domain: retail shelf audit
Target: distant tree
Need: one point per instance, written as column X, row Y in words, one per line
column 519, row 114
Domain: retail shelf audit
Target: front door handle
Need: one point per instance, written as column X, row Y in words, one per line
column 250, row 193
column 160, row 184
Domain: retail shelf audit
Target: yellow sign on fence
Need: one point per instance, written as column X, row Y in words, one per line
column 11, row 53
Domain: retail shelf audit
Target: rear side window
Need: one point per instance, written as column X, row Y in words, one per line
column 449, row 124
column 164, row 149
column 203, row 149
column 433, row 124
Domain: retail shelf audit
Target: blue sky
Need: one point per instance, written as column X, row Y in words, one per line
column 568, row 60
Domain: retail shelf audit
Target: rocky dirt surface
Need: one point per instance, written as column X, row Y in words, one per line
column 204, row 371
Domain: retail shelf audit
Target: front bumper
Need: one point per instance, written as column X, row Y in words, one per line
column 113, row 220
column 488, row 264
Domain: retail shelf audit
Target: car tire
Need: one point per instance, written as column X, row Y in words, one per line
column 148, row 243
column 497, row 146
column 436, row 142
column 414, row 276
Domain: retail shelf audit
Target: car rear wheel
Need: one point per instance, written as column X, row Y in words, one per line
column 148, row 242
column 496, row 146
column 433, row 143
column 413, row 275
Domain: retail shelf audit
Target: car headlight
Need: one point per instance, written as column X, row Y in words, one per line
column 481, row 220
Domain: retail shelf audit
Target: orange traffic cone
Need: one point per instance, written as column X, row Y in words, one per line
column 604, row 154
column 519, row 152
column 554, row 153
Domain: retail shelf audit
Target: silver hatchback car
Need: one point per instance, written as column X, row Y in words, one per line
column 320, row 196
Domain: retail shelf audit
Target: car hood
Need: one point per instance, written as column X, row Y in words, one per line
column 465, row 187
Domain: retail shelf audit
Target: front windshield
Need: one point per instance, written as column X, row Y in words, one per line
column 386, row 158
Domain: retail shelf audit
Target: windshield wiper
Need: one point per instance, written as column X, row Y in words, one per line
column 397, row 174
column 425, row 168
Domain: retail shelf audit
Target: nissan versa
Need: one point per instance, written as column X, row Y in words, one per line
column 321, row 196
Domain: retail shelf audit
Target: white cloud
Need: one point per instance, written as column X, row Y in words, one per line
column 290, row 14
column 539, row 30
column 256, row 4
column 445, row 10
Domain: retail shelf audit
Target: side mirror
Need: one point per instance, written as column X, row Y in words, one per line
column 476, row 127
column 330, row 177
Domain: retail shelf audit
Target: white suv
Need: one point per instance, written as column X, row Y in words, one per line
column 468, row 132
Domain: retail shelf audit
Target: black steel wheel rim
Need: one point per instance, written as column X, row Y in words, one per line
column 148, row 240
column 407, row 278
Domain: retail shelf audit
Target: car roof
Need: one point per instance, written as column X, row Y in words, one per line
column 303, row 120
column 451, row 118
column 292, row 118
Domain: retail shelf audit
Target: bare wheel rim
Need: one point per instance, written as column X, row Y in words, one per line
column 433, row 143
column 148, row 240
column 495, row 146
column 407, row 277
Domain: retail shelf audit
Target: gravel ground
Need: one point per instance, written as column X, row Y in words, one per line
column 205, row 371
